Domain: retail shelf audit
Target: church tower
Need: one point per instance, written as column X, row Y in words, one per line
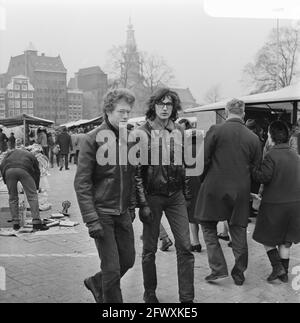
column 132, row 66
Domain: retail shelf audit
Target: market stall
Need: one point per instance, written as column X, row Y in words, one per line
column 268, row 105
column 25, row 120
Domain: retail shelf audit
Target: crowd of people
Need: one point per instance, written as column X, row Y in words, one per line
column 242, row 162
column 237, row 160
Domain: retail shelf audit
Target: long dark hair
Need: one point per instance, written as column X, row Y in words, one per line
column 157, row 97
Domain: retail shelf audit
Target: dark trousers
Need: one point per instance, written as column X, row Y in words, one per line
column 117, row 255
column 63, row 157
column 76, row 157
column 46, row 151
column 176, row 213
column 13, row 176
column 216, row 259
column 51, row 156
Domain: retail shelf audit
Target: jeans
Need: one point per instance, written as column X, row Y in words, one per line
column 162, row 233
column 176, row 213
column 216, row 259
column 117, row 255
column 13, row 176
column 61, row 160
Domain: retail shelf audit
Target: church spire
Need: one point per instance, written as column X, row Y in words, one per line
column 130, row 42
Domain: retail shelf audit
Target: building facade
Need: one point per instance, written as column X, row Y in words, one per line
column 19, row 97
column 2, row 103
column 75, row 105
column 48, row 76
column 92, row 81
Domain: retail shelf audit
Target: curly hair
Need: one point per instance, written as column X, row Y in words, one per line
column 159, row 96
column 112, row 97
column 279, row 132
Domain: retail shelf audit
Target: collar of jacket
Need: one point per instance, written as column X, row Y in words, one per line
column 281, row 146
column 155, row 125
column 237, row 119
column 111, row 127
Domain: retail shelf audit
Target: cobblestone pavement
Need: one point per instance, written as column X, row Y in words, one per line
column 51, row 268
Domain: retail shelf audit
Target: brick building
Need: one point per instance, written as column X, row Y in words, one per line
column 2, row 103
column 75, row 105
column 92, row 81
column 19, row 97
column 49, row 79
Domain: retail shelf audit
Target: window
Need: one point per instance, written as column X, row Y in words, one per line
column 24, row 104
column 17, row 104
column 10, row 94
column 17, row 112
column 24, row 95
column 30, row 95
column 2, row 106
column 11, row 113
column 2, row 115
column 17, row 87
column 17, row 95
column 30, row 104
column 11, row 104
column 24, row 87
column 30, row 112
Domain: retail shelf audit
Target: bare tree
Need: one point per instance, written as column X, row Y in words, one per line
column 119, row 66
column 155, row 71
column 274, row 62
column 213, row 94
column 141, row 68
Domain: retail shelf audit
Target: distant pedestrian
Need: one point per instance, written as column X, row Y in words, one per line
column 278, row 221
column 43, row 141
column 12, row 141
column 3, row 141
column 65, row 144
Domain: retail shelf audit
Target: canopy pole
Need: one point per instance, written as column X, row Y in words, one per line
column 24, row 124
column 295, row 112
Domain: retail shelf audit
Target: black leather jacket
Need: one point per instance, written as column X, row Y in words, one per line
column 100, row 189
column 160, row 179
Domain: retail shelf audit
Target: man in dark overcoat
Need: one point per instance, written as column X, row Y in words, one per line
column 230, row 151
column 65, row 144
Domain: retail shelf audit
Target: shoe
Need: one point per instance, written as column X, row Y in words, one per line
column 222, row 237
column 166, row 243
column 196, row 248
column 150, row 298
column 285, row 263
column 238, row 281
column 60, row 168
column 40, row 227
column 278, row 269
column 215, row 277
column 67, row 168
column 230, row 244
column 89, row 284
column 16, row 227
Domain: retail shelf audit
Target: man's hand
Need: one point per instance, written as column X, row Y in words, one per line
column 145, row 215
column 95, row 229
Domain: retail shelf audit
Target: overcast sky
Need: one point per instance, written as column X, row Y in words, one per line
column 202, row 50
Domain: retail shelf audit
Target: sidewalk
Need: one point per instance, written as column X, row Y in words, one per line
column 52, row 268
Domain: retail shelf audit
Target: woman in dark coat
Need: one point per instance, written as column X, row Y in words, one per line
column 278, row 221
column 194, row 186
